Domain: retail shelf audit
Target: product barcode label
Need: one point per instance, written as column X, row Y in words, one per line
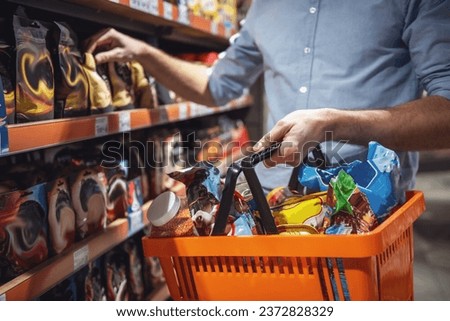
column 183, row 14
column 101, row 126
column 124, row 122
column 80, row 257
column 135, row 222
column 154, row 7
column 214, row 28
column 168, row 12
column 3, row 297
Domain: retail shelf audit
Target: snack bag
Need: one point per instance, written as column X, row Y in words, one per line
column 8, row 104
column 302, row 210
column 351, row 210
column 61, row 216
column 203, row 193
column 377, row 177
column 35, row 86
column 71, row 84
column 100, row 100
column 121, row 85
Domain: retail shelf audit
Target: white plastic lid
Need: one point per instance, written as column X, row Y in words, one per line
column 163, row 208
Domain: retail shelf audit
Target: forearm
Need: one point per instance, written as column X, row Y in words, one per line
column 188, row 80
column 422, row 124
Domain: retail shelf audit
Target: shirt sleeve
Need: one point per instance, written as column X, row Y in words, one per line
column 427, row 34
column 238, row 67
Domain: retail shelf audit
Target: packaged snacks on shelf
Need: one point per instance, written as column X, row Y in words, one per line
column 61, row 216
column 71, row 84
column 88, row 190
column 134, row 273
column 90, row 282
column 377, row 177
column 116, row 275
column 100, row 99
column 8, row 105
column 116, row 191
column 23, row 231
column 34, row 71
column 143, row 86
column 122, row 90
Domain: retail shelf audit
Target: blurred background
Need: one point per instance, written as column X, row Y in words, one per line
column 432, row 229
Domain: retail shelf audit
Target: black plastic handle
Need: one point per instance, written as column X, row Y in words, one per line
column 246, row 165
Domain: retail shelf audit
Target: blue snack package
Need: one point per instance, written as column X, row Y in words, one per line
column 202, row 186
column 377, row 177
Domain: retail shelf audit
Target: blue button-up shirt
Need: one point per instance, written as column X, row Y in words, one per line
column 343, row 54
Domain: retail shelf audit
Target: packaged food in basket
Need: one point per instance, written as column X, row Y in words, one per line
column 305, row 210
column 351, row 210
column 169, row 217
column 203, row 193
column 377, row 177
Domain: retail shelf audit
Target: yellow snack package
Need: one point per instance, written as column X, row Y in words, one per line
column 302, row 210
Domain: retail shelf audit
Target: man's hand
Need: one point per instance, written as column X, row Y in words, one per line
column 112, row 45
column 299, row 132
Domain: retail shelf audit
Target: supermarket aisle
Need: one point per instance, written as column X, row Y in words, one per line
column 432, row 238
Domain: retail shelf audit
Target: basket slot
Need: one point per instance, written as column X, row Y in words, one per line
column 392, row 249
column 187, row 285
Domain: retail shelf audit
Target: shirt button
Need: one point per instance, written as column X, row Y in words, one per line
column 312, row 10
column 307, row 50
column 303, row 89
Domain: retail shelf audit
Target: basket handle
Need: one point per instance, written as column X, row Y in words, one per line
column 246, row 165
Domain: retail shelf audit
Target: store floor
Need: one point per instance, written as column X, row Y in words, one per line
column 432, row 238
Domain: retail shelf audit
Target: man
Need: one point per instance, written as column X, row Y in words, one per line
column 356, row 69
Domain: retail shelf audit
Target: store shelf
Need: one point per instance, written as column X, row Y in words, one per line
column 37, row 135
column 161, row 13
column 37, row 281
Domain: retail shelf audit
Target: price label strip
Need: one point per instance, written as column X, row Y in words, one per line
column 183, row 14
column 154, row 7
column 214, row 28
column 101, row 126
column 168, row 11
column 124, row 122
column 80, row 257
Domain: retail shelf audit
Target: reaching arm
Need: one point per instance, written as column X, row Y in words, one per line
column 421, row 124
column 189, row 80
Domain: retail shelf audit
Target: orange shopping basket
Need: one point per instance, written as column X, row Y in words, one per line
column 373, row 266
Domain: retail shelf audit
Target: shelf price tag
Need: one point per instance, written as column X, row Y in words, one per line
column 153, row 7
column 101, row 126
column 183, row 14
column 124, row 122
column 80, row 257
column 168, row 12
column 3, row 297
column 214, row 28
column 140, row 5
